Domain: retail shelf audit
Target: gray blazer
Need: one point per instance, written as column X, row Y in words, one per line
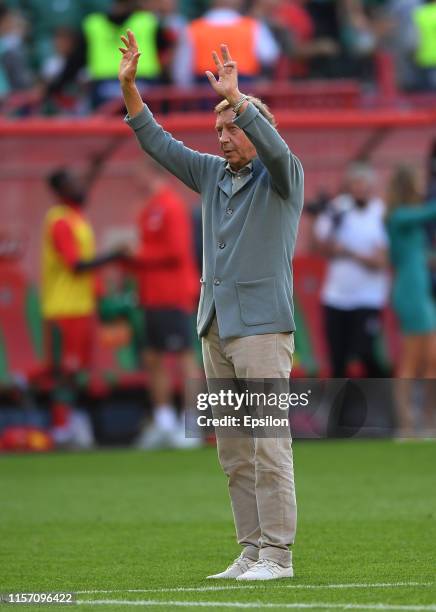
column 248, row 237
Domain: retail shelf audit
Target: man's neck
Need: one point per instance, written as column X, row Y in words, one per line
column 238, row 168
column 74, row 205
column 222, row 13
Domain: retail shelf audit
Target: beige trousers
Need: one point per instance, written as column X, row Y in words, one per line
column 259, row 470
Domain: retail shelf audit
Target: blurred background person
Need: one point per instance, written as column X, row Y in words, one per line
column 431, row 226
column 168, row 286
column 98, row 44
column 45, row 16
column 400, row 39
column 254, row 45
column 352, row 25
column 64, row 90
column 174, row 26
column 15, row 68
column 350, row 233
column 68, row 290
column 193, row 8
column 424, row 18
column 412, row 297
column 264, row 11
column 327, row 21
column 304, row 47
column 359, row 35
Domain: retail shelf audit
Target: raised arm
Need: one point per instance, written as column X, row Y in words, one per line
column 284, row 168
column 127, row 74
column 187, row 165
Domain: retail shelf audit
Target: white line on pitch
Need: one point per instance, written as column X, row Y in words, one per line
column 251, row 605
column 376, row 585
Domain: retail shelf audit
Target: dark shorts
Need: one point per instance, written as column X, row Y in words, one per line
column 167, row 330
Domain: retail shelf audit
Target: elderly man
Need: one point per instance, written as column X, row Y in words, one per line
column 252, row 199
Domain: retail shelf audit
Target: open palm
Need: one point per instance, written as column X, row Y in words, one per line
column 129, row 59
column 227, row 84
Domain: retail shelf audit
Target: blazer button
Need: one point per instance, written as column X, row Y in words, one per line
column 222, row 245
column 229, row 211
column 217, row 281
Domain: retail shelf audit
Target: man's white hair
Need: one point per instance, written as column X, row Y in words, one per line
column 361, row 170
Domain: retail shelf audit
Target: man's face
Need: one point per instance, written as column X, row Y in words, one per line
column 360, row 188
column 236, row 147
column 74, row 190
column 120, row 8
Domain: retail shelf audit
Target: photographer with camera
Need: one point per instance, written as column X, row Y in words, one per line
column 349, row 231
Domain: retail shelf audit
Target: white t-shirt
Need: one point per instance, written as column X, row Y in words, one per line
column 348, row 283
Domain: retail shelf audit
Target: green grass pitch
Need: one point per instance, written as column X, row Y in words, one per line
column 147, row 527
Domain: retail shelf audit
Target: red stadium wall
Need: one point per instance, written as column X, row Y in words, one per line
column 31, row 149
column 325, row 142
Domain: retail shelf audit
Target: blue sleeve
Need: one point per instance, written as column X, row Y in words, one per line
column 190, row 166
column 283, row 166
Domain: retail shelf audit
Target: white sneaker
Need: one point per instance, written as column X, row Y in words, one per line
column 162, row 433
column 153, row 438
column 179, row 440
column 238, row 567
column 266, row 570
column 82, row 432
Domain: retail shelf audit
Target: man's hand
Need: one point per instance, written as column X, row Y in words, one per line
column 125, row 251
column 129, row 60
column 227, row 84
column 337, row 250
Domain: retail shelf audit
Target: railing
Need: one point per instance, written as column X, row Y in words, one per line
column 169, row 99
column 280, row 93
column 100, row 125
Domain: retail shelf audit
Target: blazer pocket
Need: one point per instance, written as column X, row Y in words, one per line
column 258, row 301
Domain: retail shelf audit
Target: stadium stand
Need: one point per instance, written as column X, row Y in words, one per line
column 369, row 45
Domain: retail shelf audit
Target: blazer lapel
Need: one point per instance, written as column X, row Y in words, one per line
column 257, row 165
column 225, row 184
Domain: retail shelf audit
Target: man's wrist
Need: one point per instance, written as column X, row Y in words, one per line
column 128, row 85
column 234, row 98
column 241, row 105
